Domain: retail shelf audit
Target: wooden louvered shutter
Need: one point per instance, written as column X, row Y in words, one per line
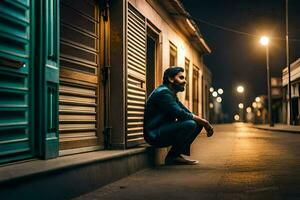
column 196, row 90
column 16, row 133
column 136, row 77
column 79, row 74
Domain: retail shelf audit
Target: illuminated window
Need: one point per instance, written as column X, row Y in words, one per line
column 187, row 78
column 195, row 90
column 173, row 54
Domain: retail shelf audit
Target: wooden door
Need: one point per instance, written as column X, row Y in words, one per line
column 79, row 109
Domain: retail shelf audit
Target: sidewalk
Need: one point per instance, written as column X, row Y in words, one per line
column 238, row 162
column 278, row 127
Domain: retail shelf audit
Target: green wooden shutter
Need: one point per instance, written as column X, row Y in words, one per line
column 16, row 133
column 48, row 77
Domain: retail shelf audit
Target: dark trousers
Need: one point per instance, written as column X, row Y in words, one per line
column 180, row 135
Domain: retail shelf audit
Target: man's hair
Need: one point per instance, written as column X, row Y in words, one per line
column 171, row 72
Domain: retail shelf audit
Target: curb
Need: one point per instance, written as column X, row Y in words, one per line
column 279, row 130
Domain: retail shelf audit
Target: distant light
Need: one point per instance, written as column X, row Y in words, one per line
column 240, row 89
column 211, row 105
column 248, row 109
column 257, row 99
column 259, row 104
column 219, row 99
column 254, row 105
column 258, row 113
column 215, row 94
column 264, row 40
column 236, row 117
column 211, row 89
column 241, row 106
column 220, row 91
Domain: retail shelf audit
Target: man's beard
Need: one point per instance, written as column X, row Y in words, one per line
column 178, row 87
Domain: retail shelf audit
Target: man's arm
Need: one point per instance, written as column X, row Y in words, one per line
column 168, row 104
column 183, row 107
column 203, row 122
column 199, row 120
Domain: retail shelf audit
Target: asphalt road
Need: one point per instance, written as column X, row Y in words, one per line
column 238, row 162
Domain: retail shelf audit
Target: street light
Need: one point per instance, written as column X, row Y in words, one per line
column 257, row 99
column 220, row 91
column 236, row 117
column 254, row 105
column 241, row 105
column 240, row 89
column 248, row 109
column 215, row 94
column 264, row 40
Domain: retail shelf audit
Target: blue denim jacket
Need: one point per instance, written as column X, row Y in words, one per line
column 162, row 107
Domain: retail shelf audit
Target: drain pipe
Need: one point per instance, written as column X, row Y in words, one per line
column 106, row 76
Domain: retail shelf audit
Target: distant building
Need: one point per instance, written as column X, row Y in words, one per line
column 276, row 95
column 295, row 90
column 259, row 110
column 206, row 80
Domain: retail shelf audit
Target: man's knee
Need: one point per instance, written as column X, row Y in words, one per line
column 190, row 124
column 193, row 126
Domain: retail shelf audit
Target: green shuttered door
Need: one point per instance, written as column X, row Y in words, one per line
column 48, row 77
column 16, row 133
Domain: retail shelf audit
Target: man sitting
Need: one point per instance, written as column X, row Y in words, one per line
column 167, row 122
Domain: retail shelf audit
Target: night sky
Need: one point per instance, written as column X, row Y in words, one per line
column 239, row 58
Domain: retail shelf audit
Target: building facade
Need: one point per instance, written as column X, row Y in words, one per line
column 75, row 75
column 295, row 91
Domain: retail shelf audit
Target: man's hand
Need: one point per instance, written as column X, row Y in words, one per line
column 207, row 126
column 209, row 129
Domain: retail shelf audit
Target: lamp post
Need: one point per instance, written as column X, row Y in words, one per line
column 240, row 89
column 265, row 42
column 290, row 113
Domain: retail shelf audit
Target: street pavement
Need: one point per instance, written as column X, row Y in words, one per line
column 238, row 162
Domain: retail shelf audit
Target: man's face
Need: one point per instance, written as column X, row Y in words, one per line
column 178, row 82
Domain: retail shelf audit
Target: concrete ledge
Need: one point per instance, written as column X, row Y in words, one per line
column 70, row 176
column 159, row 155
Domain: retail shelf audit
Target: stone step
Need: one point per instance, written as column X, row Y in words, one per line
column 70, row 176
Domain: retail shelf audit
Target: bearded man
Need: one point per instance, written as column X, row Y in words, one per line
column 167, row 122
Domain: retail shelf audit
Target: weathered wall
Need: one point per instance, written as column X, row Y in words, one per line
column 170, row 33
